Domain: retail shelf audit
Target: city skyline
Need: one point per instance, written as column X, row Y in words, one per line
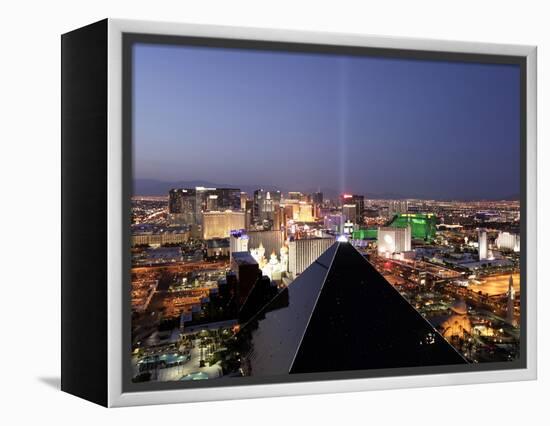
column 299, row 213
column 151, row 187
column 308, row 121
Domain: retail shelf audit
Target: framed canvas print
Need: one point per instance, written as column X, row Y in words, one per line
column 251, row 212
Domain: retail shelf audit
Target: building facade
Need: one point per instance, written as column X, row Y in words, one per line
column 396, row 207
column 247, row 272
column 358, row 201
column 317, row 198
column 349, row 212
column 182, row 206
column 482, row 244
column 238, row 242
column 219, row 224
column 272, row 241
column 160, row 239
column 264, row 207
column 302, row 253
column 508, row 241
column 393, row 240
column 334, row 222
column 187, row 205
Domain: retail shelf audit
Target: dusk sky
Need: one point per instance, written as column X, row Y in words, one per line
column 302, row 121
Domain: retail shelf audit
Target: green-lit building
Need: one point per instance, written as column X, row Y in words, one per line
column 365, row 234
column 422, row 225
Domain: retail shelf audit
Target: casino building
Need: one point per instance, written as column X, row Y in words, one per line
column 187, row 205
column 303, row 252
column 508, row 241
column 393, row 240
column 218, row 224
column 423, row 226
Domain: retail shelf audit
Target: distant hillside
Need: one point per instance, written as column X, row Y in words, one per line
column 156, row 187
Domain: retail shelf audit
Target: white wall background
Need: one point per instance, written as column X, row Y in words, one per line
column 30, row 208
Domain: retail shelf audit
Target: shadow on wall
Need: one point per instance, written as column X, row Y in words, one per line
column 54, row 382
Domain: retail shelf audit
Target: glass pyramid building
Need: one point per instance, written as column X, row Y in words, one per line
column 340, row 314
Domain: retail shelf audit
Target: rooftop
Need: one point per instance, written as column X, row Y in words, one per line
column 243, row 258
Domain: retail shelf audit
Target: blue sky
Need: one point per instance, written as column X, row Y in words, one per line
column 302, row 121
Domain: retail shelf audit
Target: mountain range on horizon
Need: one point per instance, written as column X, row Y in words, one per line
column 152, row 187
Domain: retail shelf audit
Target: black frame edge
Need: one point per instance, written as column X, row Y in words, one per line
column 84, row 212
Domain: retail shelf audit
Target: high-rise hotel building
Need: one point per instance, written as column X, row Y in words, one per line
column 187, row 205
column 394, row 240
column 264, row 207
column 482, row 243
column 218, row 224
column 182, row 206
column 508, row 241
column 358, row 201
column 303, row 252
column 217, row 199
column 317, row 198
column 349, row 212
column 396, row 207
column 244, row 199
column 299, row 211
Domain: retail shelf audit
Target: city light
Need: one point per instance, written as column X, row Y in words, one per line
column 226, row 275
column 189, row 264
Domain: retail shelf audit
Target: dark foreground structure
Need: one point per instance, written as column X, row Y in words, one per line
column 340, row 314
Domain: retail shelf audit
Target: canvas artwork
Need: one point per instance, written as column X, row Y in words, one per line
column 254, row 212
column 296, row 213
